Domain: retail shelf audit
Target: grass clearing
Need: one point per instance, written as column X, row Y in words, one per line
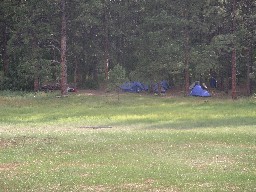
column 155, row 143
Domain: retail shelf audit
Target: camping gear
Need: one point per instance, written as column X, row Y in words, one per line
column 197, row 90
column 133, row 87
column 71, row 89
column 136, row 87
column 164, row 86
column 213, row 82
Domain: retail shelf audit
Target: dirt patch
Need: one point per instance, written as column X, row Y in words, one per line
column 8, row 166
column 4, row 143
column 25, row 140
column 173, row 92
column 97, row 188
column 91, row 92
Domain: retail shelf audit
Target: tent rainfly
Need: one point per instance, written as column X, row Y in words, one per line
column 197, row 90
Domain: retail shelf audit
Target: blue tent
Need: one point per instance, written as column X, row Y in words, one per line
column 197, row 90
column 164, row 86
column 133, row 87
column 136, row 87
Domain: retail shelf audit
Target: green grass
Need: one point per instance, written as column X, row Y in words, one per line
column 155, row 143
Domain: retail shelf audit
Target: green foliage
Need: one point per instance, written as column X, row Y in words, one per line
column 91, row 84
column 117, row 76
column 1, row 79
column 203, row 58
column 29, row 45
column 146, row 37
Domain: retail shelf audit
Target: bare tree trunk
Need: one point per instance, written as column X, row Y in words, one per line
column 248, row 78
column 106, row 42
column 186, row 54
column 75, row 73
column 4, row 52
column 36, row 78
column 63, row 50
column 186, row 71
column 95, row 70
column 159, row 88
column 35, row 63
column 234, row 91
column 36, row 84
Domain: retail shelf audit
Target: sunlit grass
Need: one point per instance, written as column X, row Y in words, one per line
column 154, row 143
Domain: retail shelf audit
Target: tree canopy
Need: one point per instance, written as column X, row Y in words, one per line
column 179, row 41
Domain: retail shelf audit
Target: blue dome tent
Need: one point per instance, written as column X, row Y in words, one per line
column 136, row 87
column 197, row 90
column 133, row 87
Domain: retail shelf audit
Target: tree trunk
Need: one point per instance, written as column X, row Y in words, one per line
column 36, row 65
column 36, row 84
column 106, row 42
column 159, row 88
column 63, row 50
column 248, row 72
column 75, row 73
column 95, row 70
column 36, row 77
column 234, row 92
column 4, row 52
column 186, row 63
column 186, row 55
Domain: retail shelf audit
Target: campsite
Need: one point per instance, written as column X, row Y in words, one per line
column 127, row 96
column 91, row 141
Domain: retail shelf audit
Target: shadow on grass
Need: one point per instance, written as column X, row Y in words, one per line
column 231, row 122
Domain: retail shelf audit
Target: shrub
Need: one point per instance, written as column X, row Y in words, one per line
column 117, row 76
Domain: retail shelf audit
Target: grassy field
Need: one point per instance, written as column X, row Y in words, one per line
column 139, row 143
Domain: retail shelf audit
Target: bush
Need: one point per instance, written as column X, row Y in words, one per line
column 91, row 84
column 117, row 76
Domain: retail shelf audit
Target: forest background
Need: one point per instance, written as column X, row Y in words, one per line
column 79, row 42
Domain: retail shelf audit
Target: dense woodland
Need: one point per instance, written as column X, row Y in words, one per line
column 79, row 41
